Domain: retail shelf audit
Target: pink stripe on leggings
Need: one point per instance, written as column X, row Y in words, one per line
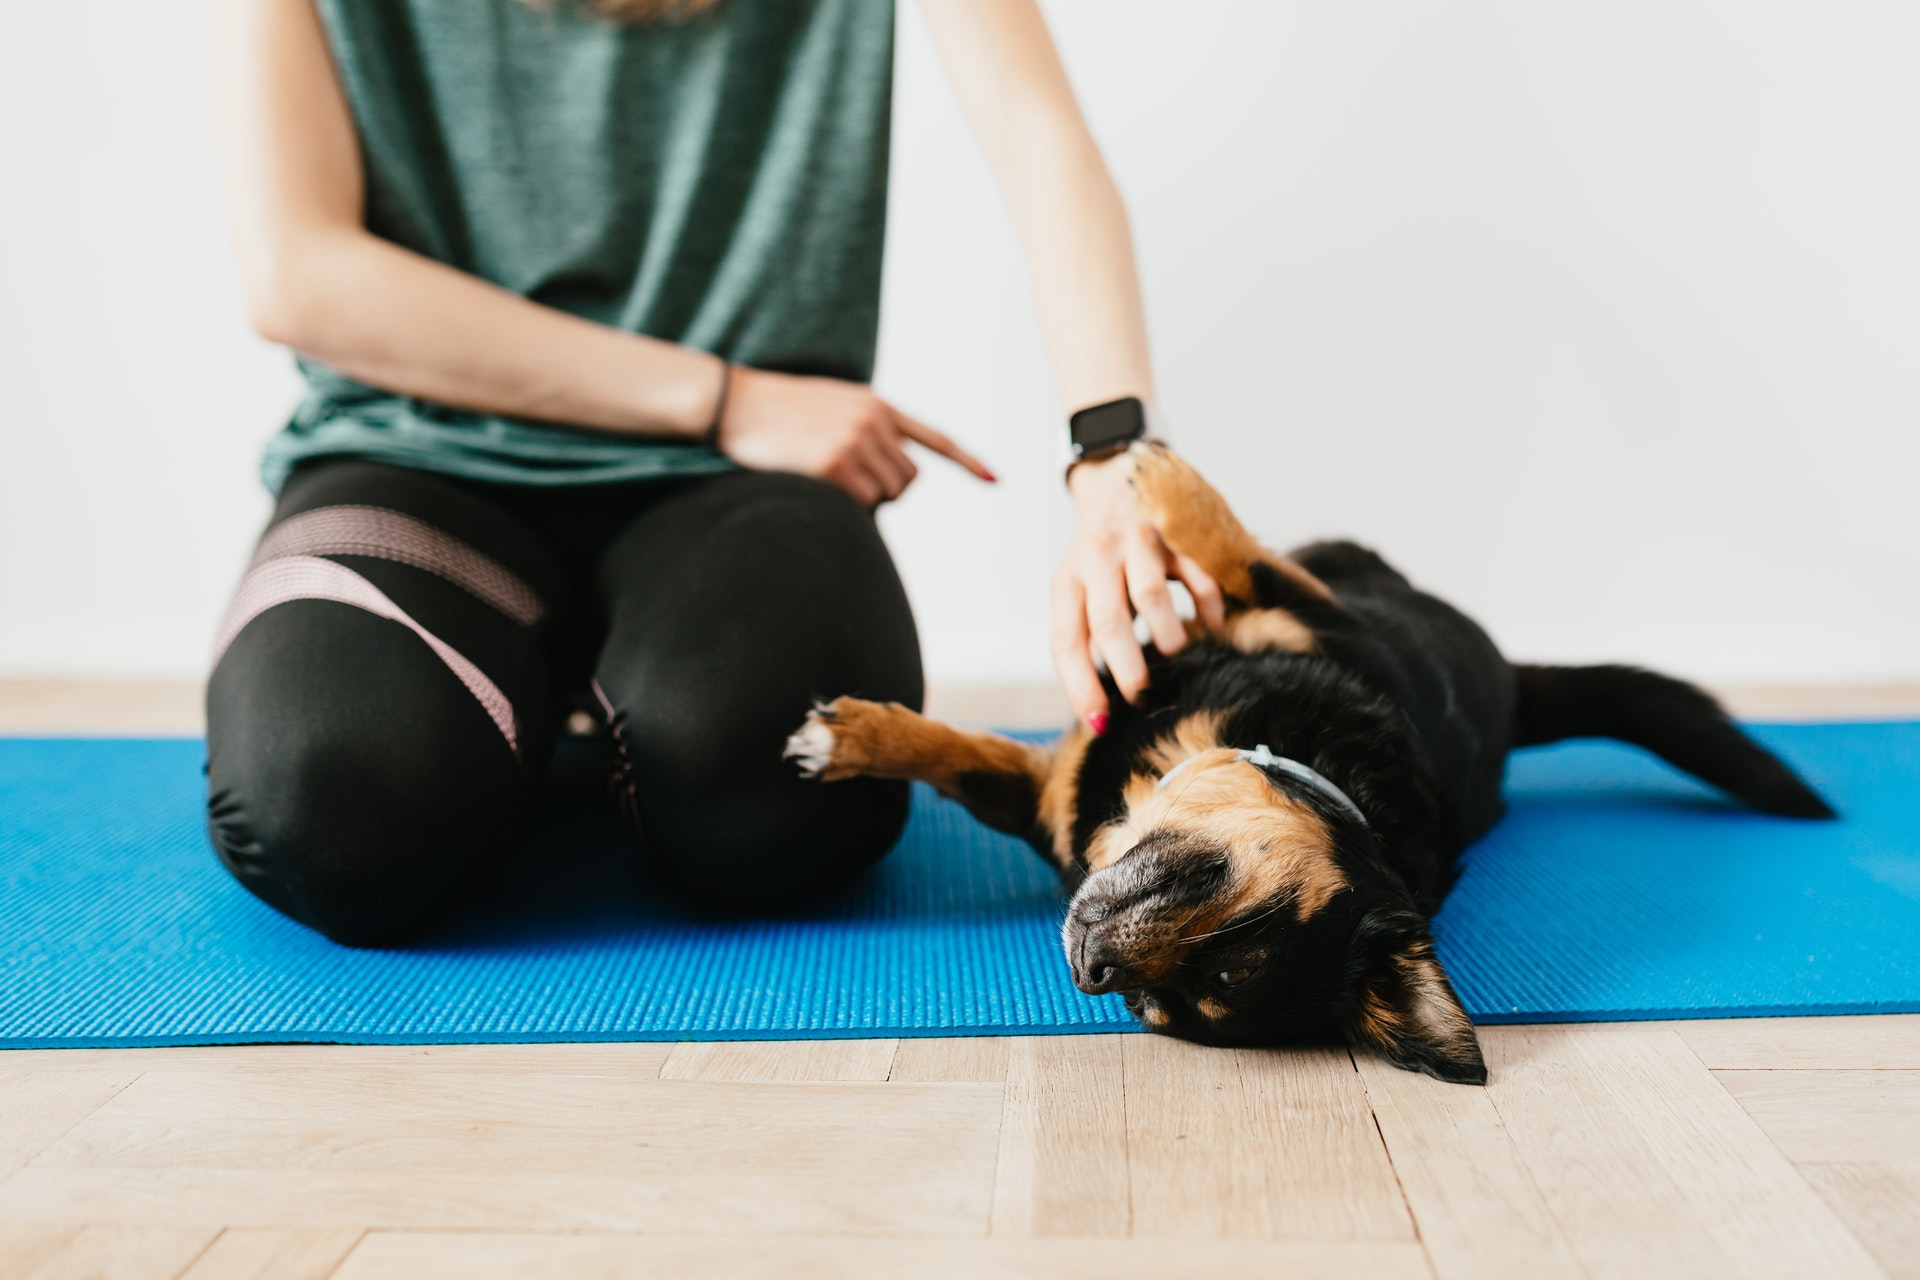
column 394, row 535
column 291, row 578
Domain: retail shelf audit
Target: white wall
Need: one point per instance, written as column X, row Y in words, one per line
column 132, row 398
column 1603, row 320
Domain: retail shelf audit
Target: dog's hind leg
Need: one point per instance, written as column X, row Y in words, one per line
column 1679, row 723
column 1015, row 787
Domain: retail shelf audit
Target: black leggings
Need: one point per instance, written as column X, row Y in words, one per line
column 397, row 661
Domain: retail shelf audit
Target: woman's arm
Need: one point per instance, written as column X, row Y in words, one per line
column 316, row 280
column 1073, row 227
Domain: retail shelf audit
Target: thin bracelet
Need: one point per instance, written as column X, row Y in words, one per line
column 712, row 437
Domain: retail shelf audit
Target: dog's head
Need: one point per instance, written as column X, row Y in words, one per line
column 1235, row 904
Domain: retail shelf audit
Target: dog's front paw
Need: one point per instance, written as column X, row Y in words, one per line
column 837, row 738
column 1187, row 511
column 811, row 745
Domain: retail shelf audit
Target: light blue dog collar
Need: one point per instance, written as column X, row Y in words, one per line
column 1261, row 758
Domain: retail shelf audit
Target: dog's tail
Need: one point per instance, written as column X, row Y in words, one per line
column 1677, row 722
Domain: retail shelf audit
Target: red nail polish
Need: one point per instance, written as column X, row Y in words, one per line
column 1097, row 722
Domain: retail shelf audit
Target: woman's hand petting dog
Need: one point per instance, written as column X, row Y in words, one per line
column 832, row 430
column 1116, row 566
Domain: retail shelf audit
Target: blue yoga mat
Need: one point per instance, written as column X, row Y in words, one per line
column 1615, row 889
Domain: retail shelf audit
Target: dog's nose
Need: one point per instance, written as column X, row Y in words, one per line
column 1099, row 969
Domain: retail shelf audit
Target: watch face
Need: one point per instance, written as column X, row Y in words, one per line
column 1108, row 424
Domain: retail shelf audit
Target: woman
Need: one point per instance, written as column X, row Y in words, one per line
column 586, row 303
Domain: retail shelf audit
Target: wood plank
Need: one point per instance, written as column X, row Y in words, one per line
column 835, row 1201
column 1477, row 1208
column 1043, row 706
column 251, row 1253
column 323, row 1148
column 25, row 1249
column 1760, row 1212
column 176, row 706
column 1063, row 1140
column 1822, row 702
column 407, row 1256
column 981, row 1059
column 102, row 707
column 1649, row 1167
column 388, row 1120
column 1605, row 1188
column 1839, row 1116
column 596, row 1059
column 780, row 1060
column 1882, row 1042
column 95, row 1252
column 1880, row 1203
column 1000, row 706
column 1255, row 1142
column 37, row 1107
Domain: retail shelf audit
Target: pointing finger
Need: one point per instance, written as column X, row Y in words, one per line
column 920, row 432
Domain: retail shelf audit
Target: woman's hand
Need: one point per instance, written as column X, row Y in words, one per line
column 833, row 430
column 1117, row 566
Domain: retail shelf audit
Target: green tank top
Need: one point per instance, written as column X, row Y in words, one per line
column 718, row 182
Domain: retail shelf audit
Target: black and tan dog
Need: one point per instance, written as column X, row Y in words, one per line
column 1256, row 847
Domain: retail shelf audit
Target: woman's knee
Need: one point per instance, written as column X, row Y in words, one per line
column 759, row 582
column 330, row 835
column 364, row 803
column 731, row 822
column 766, row 850
column 735, row 604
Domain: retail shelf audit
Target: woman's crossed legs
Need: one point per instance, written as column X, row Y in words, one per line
column 383, row 706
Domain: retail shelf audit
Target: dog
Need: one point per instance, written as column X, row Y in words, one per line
column 1255, row 849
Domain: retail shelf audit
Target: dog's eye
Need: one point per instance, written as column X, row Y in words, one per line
column 1233, row 977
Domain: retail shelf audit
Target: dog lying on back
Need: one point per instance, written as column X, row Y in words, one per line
column 1255, row 849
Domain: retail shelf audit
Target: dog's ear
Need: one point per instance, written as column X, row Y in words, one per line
column 1408, row 1012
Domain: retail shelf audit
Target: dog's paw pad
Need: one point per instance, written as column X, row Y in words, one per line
column 811, row 745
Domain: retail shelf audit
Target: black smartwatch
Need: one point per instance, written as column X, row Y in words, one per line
column 1102, row 430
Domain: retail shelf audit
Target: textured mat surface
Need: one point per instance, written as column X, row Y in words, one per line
column 1615, row 889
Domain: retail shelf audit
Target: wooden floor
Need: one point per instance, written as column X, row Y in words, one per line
column 1739, row 1148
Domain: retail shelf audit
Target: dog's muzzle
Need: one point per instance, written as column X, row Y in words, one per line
column 1123, row 928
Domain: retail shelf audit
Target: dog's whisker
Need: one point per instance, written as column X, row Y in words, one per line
column 1237, row 924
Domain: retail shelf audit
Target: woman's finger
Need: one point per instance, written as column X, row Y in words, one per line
column 851, row 475
column 1070, row 656
column 904, row 466
column 885, row 462
column 918, row 431
column 1208, row 602
column 1146, row 566
column 1111, row 624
